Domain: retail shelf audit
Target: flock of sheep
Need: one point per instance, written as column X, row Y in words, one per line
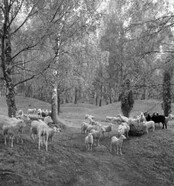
column 95, row 131
column 41, row 128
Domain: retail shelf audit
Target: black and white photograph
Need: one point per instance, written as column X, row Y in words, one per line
column 86, row 92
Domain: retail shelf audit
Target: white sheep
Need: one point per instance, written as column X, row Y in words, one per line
column 13, row 129
column 123, row 129
column 20, row 113
column 84, row 127
column 133, row 121
column 96, row 135
column 148, row 125
column 109, row 118
column 171, row 116
column 107, row 129
column 32, row 111
column 43, row 131
column 90, row 127
column 89, row 141
column 142, row 117
column 123, row 118
column 116, row 144
column 48, row 120
column 87, row 116
column 39, row 111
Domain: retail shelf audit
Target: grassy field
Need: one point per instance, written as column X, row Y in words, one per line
column 146, row 160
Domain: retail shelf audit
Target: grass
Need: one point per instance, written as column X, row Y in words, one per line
column 146, row 160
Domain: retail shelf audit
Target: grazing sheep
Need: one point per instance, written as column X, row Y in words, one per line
column 92, row 121
column 116, row 144
column 148, row 125
column 134, row 121
column 109, row 118
column 13, row 129
column 34, row 128
column 107, row 129
column 113, row 119
column 90, row 127
column 159, row 119
column 123, row 129
column 20, row 113
column 123, row 118
column 96, row 135
column 41, row 130
column 48, row 120
column 32, row 111
column 84, row 127
column 89, row 141
column 87, row 116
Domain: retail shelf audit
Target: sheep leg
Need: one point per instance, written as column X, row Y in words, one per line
column 46, row 144
column 5, row 140
column 12, row 141
column 117, row 150
column 147, row 130
column 121, row 151
column 91, row 146
column 39, row 142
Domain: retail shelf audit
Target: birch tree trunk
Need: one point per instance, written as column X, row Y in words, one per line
column 54, row 103
column 7, row 62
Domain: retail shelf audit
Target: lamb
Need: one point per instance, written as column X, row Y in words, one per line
column 148, row 125
column 89, row 141
column 13, row 129
column 142, row 117
column 116, row 144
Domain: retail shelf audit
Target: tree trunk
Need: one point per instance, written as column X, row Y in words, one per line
column 167, row 93
column 75, row 96
column 54, row 106
column 58, row 103
column 96, row 99
column 7, row 63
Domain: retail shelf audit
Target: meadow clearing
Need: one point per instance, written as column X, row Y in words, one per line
column 146, row 160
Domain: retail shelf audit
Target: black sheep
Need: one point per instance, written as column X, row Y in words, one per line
column 156, row 118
